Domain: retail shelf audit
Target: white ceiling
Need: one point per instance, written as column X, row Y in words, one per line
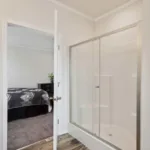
column 93, row 8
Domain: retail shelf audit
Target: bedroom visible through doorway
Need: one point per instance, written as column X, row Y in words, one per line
column 30, row 75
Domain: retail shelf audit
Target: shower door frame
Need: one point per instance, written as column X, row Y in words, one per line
column 138, row 90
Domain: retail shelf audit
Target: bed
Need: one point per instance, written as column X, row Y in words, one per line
column 26, row 102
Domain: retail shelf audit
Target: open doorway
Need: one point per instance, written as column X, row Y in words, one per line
column 30, row 68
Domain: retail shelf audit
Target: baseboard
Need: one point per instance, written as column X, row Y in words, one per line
column 88, row 140
column 47, row 139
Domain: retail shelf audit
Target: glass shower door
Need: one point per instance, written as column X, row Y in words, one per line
column 85, row 86
column 81, row 89
column 103, row 83
column 118, row 90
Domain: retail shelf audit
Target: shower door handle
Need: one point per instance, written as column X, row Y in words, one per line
column 97, row 87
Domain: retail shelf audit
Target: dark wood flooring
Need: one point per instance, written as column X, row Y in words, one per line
column 66, row 142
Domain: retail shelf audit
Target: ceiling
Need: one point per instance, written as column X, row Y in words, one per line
column 93, row 8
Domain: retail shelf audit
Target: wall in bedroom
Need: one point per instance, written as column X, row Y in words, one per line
column 30, row 57
column 27, row 67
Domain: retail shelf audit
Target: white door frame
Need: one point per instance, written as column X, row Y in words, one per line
column 55, row 124
column 4, row 26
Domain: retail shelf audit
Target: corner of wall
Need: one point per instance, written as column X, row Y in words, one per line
column 118, row 18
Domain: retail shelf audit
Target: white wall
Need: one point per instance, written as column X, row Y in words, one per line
column 27, row 67
column 25, row 37
column 145, row 106
column 30, row 57
column 122, row 18
column 40, row 14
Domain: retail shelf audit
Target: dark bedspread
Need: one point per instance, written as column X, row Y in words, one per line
column 20, row 97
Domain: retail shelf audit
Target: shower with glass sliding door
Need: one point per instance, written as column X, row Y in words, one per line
column 104, row 85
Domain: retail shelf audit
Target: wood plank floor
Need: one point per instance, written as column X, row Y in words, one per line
column 66, row 142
